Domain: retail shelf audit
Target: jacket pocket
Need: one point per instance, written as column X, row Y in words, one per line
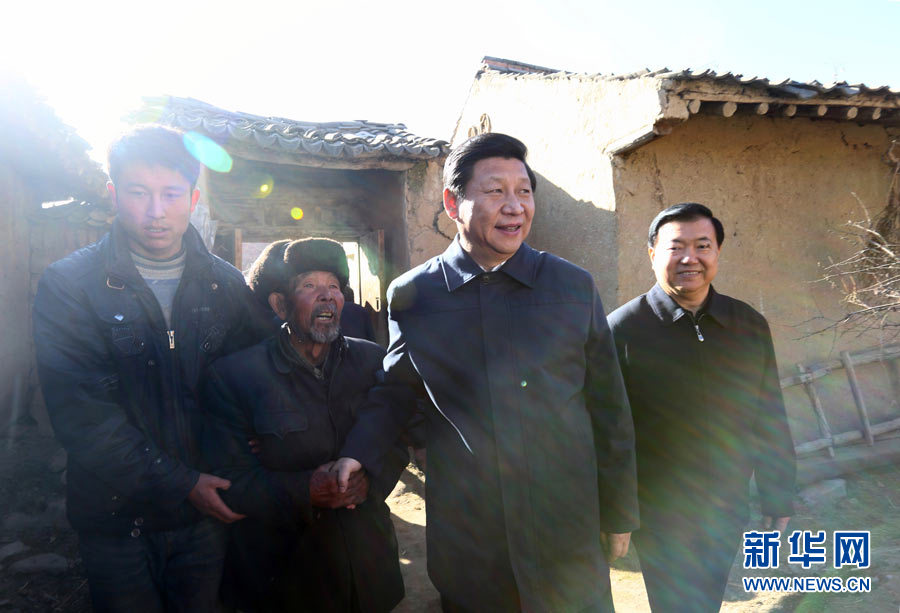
column 123, row 320
column 279, row 423
column 213, row 339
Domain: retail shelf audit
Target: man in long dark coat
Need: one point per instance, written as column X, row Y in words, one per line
column 529, row 434
column 701, row 377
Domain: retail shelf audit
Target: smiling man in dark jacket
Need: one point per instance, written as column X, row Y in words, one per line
column 708, row 413
column 123, row 330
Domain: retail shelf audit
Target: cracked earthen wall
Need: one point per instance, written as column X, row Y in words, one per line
column 428, row 229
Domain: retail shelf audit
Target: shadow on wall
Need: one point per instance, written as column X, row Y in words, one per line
column 579, row 231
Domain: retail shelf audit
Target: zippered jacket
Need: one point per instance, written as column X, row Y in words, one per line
column 121, row 386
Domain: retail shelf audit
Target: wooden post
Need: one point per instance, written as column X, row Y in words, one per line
column 821, row 110
column 851, row 112
column 876, row 113
column 824, row 428
column 789, row 110
column 762, row 108
column 858, row 397
column 694, row 106
column 238, row 249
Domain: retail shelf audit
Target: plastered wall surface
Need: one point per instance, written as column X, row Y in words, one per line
column 429, row 230
column 783, row 188
column 15, row 287
column 566, row 124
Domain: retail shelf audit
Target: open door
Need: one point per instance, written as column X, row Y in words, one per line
column 372, row 284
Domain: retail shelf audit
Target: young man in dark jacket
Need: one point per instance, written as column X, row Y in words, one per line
column 123, row 330
column 700, row 372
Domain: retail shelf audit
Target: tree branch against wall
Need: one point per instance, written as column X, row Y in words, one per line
column 869, row 279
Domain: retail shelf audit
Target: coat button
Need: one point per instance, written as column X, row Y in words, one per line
column 139, row 521
column 158, row 461
column 114, row 498
column 151, row 363
column 214, row 286
column 113, row 513
column 146, row 450
column 135, row 533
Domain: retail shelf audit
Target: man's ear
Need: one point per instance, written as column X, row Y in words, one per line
column 450, row 204
column 195, row 198
column 277, row 302
column 651, row 251
column 112, row 194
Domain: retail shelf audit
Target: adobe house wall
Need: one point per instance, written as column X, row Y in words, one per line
column 783, row 188
column 428, row 228
column 566, row 123
column 15, row 291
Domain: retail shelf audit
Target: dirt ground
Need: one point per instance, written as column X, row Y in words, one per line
column 31, row 513
column 872, row 503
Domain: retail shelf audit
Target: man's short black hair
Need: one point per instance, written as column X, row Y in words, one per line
column 153, row 145
column 685, row 211
column 459, row 164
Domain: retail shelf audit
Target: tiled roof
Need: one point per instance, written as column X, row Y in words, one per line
column 787, row 88
column 339, row 139
column 38, row 144
column 784, row 87
column 74, row 211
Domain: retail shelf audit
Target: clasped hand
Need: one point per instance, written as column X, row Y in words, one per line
column 330, row 487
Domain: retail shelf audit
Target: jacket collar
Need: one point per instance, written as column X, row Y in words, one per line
column 668, row 311
column 120, row 265
column 283, row 364
column 459, row 267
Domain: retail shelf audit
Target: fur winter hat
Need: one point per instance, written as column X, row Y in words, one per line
column 309, row 254
column 266, row 274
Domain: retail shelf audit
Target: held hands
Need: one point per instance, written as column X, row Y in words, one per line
column 615, row 545
column 325, row 488
column 206, row 499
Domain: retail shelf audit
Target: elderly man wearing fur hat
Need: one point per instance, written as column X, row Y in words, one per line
column 305, row 545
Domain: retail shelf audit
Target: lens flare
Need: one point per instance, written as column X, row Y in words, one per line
column 265, row 184
column 297, row 213
column 208, row 152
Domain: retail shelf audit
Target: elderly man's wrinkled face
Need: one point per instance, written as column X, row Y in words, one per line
column 314, row 305
column 686, row 258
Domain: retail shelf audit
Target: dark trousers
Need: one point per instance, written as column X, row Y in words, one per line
column 156, row 572
column 686, row 569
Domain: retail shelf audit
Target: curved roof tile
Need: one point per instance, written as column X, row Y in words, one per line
column 340, row 139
